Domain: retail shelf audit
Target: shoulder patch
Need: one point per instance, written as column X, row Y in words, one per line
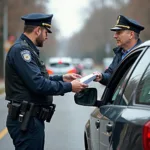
column 26, row 55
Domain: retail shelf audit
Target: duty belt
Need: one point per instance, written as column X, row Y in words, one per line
column 25, row 110
column 35, row 111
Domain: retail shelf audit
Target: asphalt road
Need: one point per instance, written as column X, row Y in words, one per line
column 66, row 130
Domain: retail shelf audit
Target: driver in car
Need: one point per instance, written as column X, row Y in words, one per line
column 126, row 33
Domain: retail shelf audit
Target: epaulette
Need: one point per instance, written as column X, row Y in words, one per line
column 24, row 44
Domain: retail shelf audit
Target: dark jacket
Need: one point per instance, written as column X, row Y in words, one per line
column 116, row 61
column 24, row 76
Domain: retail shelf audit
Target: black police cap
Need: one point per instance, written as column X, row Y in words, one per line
column 38, row 19
column 124, row 23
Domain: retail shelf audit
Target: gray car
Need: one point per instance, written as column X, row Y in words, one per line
column 121, row 120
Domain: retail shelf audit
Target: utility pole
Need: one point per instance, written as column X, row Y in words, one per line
column 5, row 31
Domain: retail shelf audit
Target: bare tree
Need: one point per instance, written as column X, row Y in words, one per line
column 139, row 10
column 17, row 8
column 92, row 39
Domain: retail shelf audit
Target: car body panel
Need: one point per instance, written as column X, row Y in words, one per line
column 94, row 129
column 110, row 115
column 129, row 128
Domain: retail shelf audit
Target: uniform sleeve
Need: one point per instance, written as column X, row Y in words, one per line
column 105, row 78
column 56, row 78
column 26, row 67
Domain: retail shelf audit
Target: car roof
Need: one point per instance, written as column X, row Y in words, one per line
column 60, row 59
column 87, row 59
column 146, row 43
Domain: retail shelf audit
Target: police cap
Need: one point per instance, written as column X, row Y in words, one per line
column 38, row 19
column 124, row 23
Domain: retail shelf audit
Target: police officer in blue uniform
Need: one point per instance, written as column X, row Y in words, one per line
column 29, row 89
column 127, row 37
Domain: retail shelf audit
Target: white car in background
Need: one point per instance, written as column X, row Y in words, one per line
column 106, row 62
column 88, row 63
column 60, row 66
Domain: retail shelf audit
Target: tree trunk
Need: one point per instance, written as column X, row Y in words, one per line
column 1, row 41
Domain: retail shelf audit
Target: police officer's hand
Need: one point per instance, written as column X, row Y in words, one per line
column 77, row 86
column 98, row 77
column 70, row 77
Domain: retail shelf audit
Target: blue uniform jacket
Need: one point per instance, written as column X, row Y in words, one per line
column 29, row 72
column 116, row 61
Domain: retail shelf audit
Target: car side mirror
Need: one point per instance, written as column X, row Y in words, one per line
column 86, row 97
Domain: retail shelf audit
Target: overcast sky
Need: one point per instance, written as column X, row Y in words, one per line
column 68, row 15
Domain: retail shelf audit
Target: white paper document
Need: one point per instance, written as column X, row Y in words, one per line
column 87, row 79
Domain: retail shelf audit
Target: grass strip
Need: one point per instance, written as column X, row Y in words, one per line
column 2, row 90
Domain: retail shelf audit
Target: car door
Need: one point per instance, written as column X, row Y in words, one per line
column 100, row 137
column 134, row 117
column 110, row 113
column 115, row 102
column 94, row 129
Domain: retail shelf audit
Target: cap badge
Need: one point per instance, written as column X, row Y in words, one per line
column 118, row 20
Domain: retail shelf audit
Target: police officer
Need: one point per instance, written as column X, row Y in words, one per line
column 28, row 86
column 127, row 37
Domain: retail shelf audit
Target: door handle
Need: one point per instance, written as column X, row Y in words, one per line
column 97, row 124
column 109, row 127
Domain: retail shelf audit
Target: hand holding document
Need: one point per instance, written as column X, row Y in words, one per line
column 87, row 79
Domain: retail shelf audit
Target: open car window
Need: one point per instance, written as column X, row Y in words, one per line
column 117, row 94
column 115, row 87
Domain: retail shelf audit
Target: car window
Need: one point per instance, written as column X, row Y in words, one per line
column 114, row 89
column 129, row 82
column 143, row 90
column 116, row 96
column 134, row 80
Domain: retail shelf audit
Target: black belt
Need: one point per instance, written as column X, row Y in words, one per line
column 35, row 111
column 25, row 110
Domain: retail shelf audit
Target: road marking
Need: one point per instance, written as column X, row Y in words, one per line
column 3, row 133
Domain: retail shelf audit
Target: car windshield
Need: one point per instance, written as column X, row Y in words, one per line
column 59, row 65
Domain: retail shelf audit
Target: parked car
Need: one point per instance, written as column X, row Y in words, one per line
column 60, row 66
column 106, row 62
column 88, row 63
column 121, row 120
column 78, row 65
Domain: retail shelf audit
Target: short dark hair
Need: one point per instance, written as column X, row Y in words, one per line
column 29, row 28
column 136, row 35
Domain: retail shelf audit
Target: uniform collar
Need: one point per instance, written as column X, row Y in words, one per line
column 125, row 52
column 30, row 43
